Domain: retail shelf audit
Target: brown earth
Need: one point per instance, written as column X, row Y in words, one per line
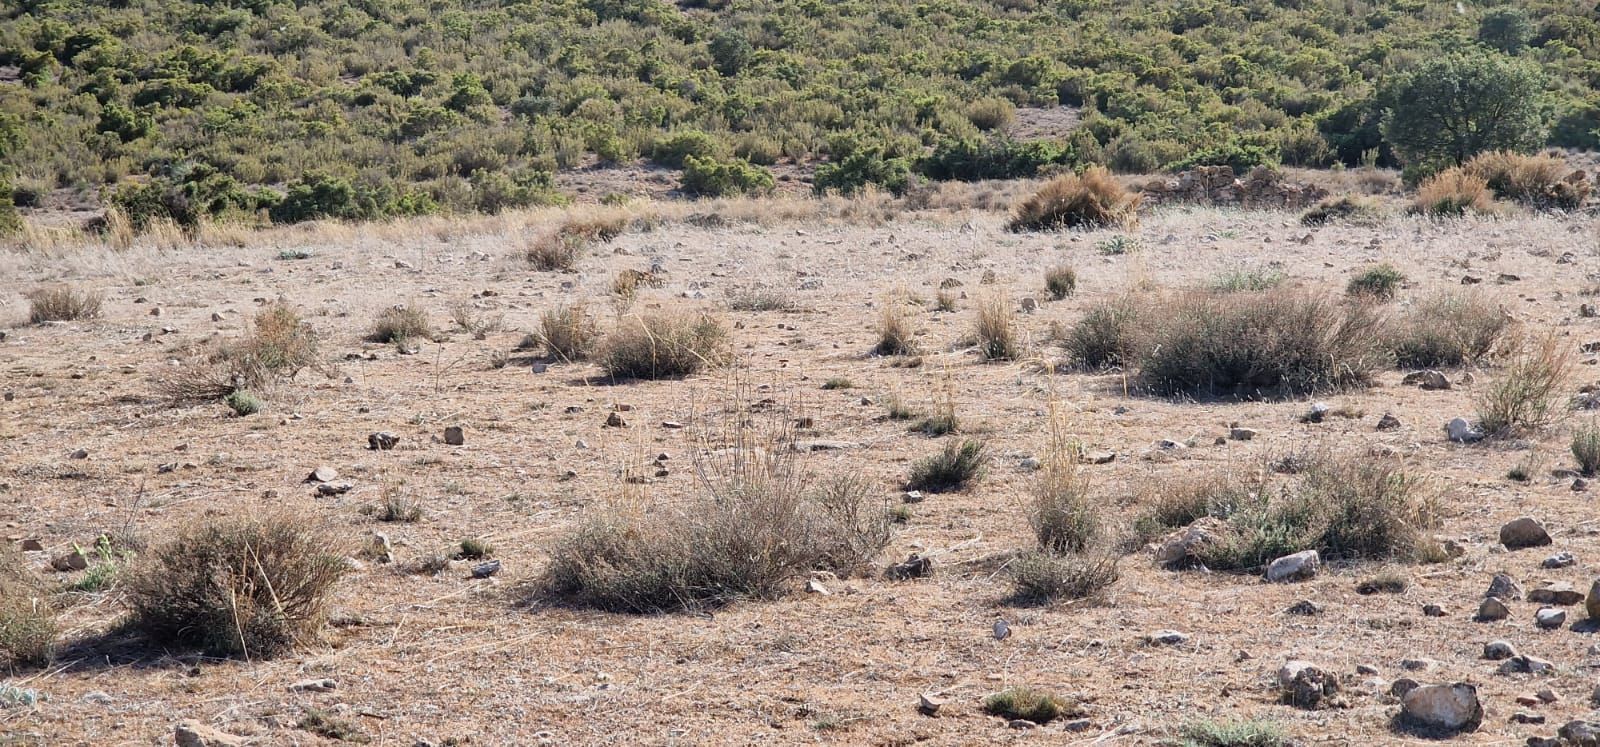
column 445, row 657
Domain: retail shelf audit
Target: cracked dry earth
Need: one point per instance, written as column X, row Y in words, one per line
column 446, row 657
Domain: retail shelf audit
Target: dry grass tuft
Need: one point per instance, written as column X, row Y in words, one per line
column 757, row 525
column 1345, row 209
column 62, row 303
column 1094, row 199
column 1526, row 396
column 1106, row 336
column 665, row 345
column 400, row 324
column 568, row 332
column 1073, row 560
column 1586, row 447
column 560, row 249
column 27, row 614
column 1452, row 193
column 1448, row 329
column 1539, row 181
column 953, row 468
column 277, row 348
column 254, row 587
column 896, row 333
column 996, row 330
column 1379, row 282
column 1060, row 281
column 1028, row 704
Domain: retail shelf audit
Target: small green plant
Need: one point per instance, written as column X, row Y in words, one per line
column 399, row 507
column 1379, row 282
column 1061, row 281
column 1586, row 448
column 104, row 570
column 243, row 403
column 1233, row 734
column 474, row 548
column 1046, row 577
column 953, row 468
column 1026, row 703
column 293, row 254
column 897, row 409
column 1247, row 279
column 837, row 382
column 1117, row 245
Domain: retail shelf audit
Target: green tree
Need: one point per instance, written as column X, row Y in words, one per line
column 1451, row 108
column 1506, row 29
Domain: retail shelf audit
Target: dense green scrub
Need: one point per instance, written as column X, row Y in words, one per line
column 294, row 109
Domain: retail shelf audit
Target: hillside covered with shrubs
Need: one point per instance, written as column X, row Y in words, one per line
column 189, row 109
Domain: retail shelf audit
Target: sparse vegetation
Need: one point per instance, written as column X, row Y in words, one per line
column 953, row 468
column 1586, row 448
column 398, row 506
column 1343, row 209
column 243, row 402
column 1094, row 199
column 1247, row 280
column 896, row 336
column 62, row 303
column 277, row 348
column 27, row 614
column 254, row 587
column 996, row 330
column 473, row 548
column 1447, row 329
column 1106, row 336
column 1060, row 281
column 401, row 324
column 1233, row 734
column 1539, row 181
column 1379, row 282
column 1452, row 193
column 664, row 345
column 324, row 724
column 1526, row 394
column 1027, row 703
column 568, row 332
column 837, row 382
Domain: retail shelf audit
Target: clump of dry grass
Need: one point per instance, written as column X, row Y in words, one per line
column 1106, row 336
column 1073, row 559
column 1448, row 329
column 568, row 332
column 474, row 322
column 247, row 586
column 1094, row 199
column 1452, row 193
column 1539, row 181
column 760, row 298
column 1344, row 209
column 953, row 468
column 996, row 330
column 896, row 332
column 1028, row 704
column 278, row 346
column 1526, row 395
column 1379, row 282
column 27, row 613
column 62, row 303
column 1586, row 447
column 756, row 526
column 401, row 323
column 665, row 345
column 1061, row 281
column 1283, row 341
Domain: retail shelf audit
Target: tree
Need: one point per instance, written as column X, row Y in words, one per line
column 1453, row 107
column 1506, row 29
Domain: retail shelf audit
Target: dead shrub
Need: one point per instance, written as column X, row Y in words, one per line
column 278, row 346
column 756, row 526
column 665, row 345
column 1452, row 193
column 996, row 330
column 1344, row 209
column 1282, row 341
column 1094, row 199
column 244, row 586
column 1539, row 181
column 568, row 332
column 1527, row 394
column 1448, row 329
column 62, row 303
column 27, row 614
column 401, row 323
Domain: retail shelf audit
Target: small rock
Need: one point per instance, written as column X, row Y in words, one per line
column 313, row 686
column 334, row 488
column 1523, row 717
column 1304, row 607
column 1493, row 609
column 1503, row 586
column 815, row 587
column 1498, row 650
column 487, row 569
column 1181, row 547
column 1166, row 638
column 70, row 561
column 1523, row 532
column 1366, row 669
column 1001, row 629
column 401, row 264
column 1388, row 422
column 1460, row 431
column 1450, row 707
column 1558, row 593
column 912, row 496
column 1559, row 560
column 1546, row 695
column 215, row 317
column 825, row 445
column 929, row 704
column 79, row 454
column 614, row 420
column 1416, row 665
column 1318, row 412
column 1021, row 723
column 1241, row 434
column 1580, row 733
column 1100, row 457
column 1402, row 686
column 1167, row 444
column 1591, row 604
column 32, row 545
column 1297, row 567
column 1428, row 380
column 455, row 436
column 1029, row 305
column 1550, row 618
column 323, row 473
column 1306, row 685
column 915, row 566
column 1525, row 664
column 1432, row 610
column 1077, row 725
column 195, row 734
column 381, row 549
column 382, row 441
column 1029, row 464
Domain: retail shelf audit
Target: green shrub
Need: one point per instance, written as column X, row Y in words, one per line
column 991, row 113
column 1525, row 395
column 400, row 324
column 989, row 158
column 951, row 469
column 1107, row 335
column 1451, row 107
column 675, row 149
column 708, row 176
column 1379, row 282
column 243, row 403
column 1452, row 193
column 868, row 165
column 1027, row 703
column 1233, row 734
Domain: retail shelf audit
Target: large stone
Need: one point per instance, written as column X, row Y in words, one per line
column 1305, row 684
column 1558, row 593
column 1449, row 707
column 1550, row 618
column 323, row 473
column 1503, row 586
column 1182, row 548
column 1493, row 609
column 1460, row 431
column 195, row 734
column 1523, row 532
column 1591, row 605
column 1498, row 650
column 1580, row 734
column 1297, row 567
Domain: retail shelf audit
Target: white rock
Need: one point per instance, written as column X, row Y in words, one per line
column 1451, row 707
column 1297, row 567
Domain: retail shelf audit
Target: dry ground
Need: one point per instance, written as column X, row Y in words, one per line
column 445, row 657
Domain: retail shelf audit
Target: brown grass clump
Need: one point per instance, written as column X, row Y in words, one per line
column 277, row 348
column 1094, row 199
column 27, row 614
column 400, row 324
column 896, row 333
column 1448, row 329
column 253, row 587
column 1452, row 193
column 568, row 332
column 1526, row 395
column 62, row 303
column 559, row 250
column 758, row 524
column 996, row 330
column 1108, row 335
column 1073, row 559
column 665, row 345
column 1283, row 341
column 1060, row 281
column 1540, row 181
column 1345, row 209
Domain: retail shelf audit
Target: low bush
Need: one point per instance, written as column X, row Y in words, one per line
column 27, row 613
column 953, row 468
column 62, row 303
column 1045, row 577
column 1586, row 448
column 1028, row 704
column 664, row 345
column 996, row 330
column 250, row 586
column 1447, row 329
column 1379, row 282
column 1094, row 199
column 675, row 149
column 1233, row 734
column 1246, row 280
column 1538, row 181
column 568, row 332
column 1106, row 336
column 1345, row 209
column 400, row 324
column 1526, row 394
column 278, row 346
column 1452, row 193
column 1060, row 281
column 724, row 178
column 896, row 334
